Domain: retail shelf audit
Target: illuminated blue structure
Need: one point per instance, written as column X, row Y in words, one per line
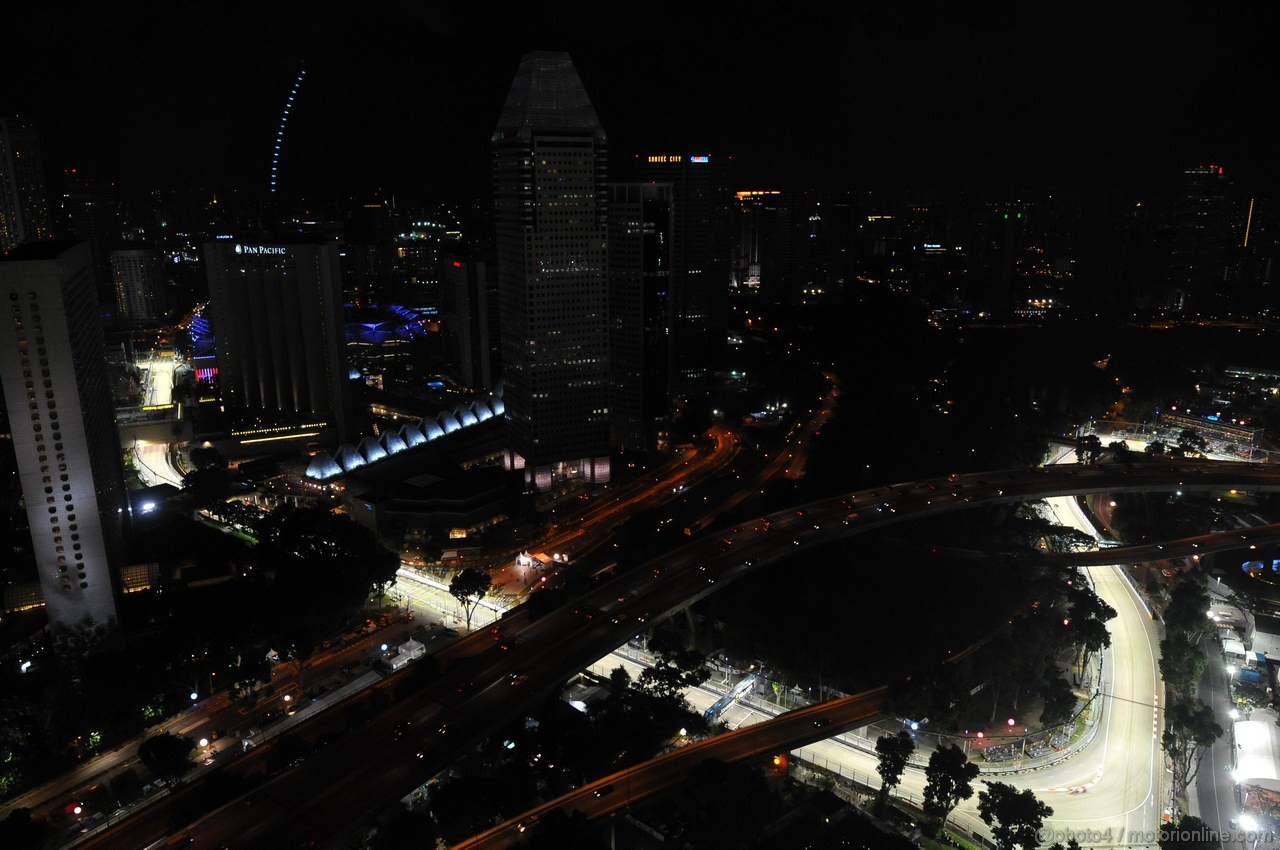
column 324, row 466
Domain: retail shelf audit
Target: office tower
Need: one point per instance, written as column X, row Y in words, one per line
column 24, row 203
column 755, row 236
column 464, row 319
column 640, row 223
column 92, row 208
column 549, row 164
column 60, row 409
column 137, row 275
column 1201, row 234
column 418, row 263
column 277, row 318
column 1011, row 229
column 700, row 252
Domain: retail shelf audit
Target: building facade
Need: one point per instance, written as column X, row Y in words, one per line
column 464, row 319
column 277, row 319
column 700, row 260
column 1201, row 235
column 24, row 200
column 137, row 276
column 550, row 211
column 68, row 452
column 640, row 222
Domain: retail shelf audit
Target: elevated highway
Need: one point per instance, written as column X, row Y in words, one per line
column 327, row 795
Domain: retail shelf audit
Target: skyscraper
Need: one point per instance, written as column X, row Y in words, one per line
column 24, row 202
column 277, row 318
column 640, row 314
column 700, row 252
column 1201, row 235
column 464, row 318
column 137, row 275
column 550, row 211
column 92, row 208
column 64, row 434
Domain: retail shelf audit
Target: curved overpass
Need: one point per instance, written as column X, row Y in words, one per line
column 793, row 730
column 327, row 795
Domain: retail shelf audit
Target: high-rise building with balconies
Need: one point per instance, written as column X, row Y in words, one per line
column 60, row 411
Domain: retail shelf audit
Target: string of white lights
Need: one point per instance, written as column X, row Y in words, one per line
column 284, row 122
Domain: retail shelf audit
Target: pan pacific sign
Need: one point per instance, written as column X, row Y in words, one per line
column 253, row 250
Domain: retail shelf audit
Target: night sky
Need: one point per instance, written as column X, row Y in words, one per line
column 403, row 96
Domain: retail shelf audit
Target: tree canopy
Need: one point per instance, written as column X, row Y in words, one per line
column 470, row 586
column 949, row 777
column 892, row 754
column 1015, row 817
column 167, row 755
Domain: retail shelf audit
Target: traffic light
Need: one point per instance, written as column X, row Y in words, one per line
column 780, row 764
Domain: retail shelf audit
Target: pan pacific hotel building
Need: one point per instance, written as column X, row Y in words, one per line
column 277, row 321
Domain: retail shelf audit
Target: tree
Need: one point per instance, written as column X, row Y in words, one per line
column 1059, row 701
column 675, row 668
column 1181, row 666
column 1156, row 448
column 948, row 781
column 469, row 587
column 1015, row 817
column 1189, row 729
column 619, row 679
column 1191, row 441
column 892, row 752
column 209, row 484
column 20, row 831
column 1120, row 449
column 1187, row 617
column 1088, row 448
column 1190, row 833
column 167, row 755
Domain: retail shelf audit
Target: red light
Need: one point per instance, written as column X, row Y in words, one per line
column 457, row 265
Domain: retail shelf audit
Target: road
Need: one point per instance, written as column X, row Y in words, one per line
column 153, row 460
column 326, row 797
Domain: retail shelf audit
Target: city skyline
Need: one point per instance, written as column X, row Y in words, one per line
column 1016, row 100
column 447, row 418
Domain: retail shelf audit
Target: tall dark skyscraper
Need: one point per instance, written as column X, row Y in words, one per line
column 640, row 221
column 700, row 252
column 277, row 318
column 64, row 434
column 550, row 212
column 24, row 201
column 1201, row 236
column 92, row 208
column 464, row 318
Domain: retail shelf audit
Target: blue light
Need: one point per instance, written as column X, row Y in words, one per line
column 699, row 159
column 1212, row 417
